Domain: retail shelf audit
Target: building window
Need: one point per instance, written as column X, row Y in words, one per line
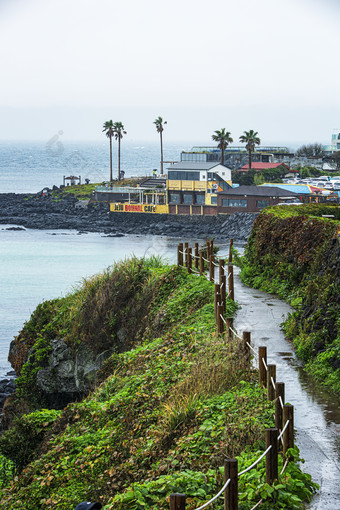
column 234, row 202
column 200, row 199
column 213, row 200
column 262, row 203
column 173, row 198
column 178, row 175
column 187, row 199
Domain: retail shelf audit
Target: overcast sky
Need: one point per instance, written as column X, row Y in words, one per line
column 267, row 65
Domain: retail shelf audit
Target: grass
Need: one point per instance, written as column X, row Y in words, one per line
column 165, row 412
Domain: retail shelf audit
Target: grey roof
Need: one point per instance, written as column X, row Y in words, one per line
column 191, row 165
column 261, row 191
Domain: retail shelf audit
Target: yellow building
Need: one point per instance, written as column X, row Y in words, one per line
column 193, row 186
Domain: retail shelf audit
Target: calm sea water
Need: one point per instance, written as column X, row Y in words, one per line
column 37, row 265
column 29, row 167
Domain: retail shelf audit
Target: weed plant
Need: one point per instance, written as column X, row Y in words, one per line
column 167, row 409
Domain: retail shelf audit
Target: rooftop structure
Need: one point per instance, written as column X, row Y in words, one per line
column 236, row 156
column 265, row 166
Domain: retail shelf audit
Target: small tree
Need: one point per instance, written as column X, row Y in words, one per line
column 224, row 139
column 251, row 139
column 313, row 150
column 109, row 131
column 334, row 160
column 159, row 122
column 118, row 130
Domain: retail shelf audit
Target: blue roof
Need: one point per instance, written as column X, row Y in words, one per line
column 296, row 188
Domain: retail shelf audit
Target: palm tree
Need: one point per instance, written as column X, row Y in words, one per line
column 159, row 126
column 224, row 139
column 109, row 131
column 251, row 139
column 118, row 130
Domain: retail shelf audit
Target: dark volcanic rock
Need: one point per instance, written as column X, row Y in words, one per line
column 44, row 212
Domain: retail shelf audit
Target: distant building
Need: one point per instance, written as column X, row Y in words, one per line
column 236, row 156
column 266, row 166
column 252, row 198
column 335, row 143
column 193, row 185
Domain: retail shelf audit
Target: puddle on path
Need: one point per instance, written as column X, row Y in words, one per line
column 316, row 411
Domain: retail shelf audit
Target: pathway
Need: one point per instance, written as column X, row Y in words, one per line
column 316, row 413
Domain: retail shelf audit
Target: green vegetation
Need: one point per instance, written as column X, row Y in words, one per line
column 257, row 177
column 294, row 252
column 169, row 405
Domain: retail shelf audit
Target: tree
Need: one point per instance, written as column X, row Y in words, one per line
column 118, row 130
column 224, row 139
column 313, row 150
column 334, row 160
column 159, row 126
column 251, row 139
column 109, row 131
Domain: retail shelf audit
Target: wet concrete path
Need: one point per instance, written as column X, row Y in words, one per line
column 316, row 412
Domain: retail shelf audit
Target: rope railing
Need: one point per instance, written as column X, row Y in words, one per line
column 252, row 348
column 256, row 461
column 267, row 374
column 234, row 333
column 283, row 430
column 257, row 504
column 215, row 497
column 273, row 383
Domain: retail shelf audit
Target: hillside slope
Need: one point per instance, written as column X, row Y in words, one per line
column 166, row 408
column 295, row 253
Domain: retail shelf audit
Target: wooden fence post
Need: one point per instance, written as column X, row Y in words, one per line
column 196, row 256
column 271, row 456
column 211, row 269
column 279, row 392
column 229, row 326
column 189, row 260
column 245, row 346
column 201, row 263
column 231, row 492
column 177, row 501
column 180, row 254
column 231, row 243
column 231, row 282
column 220, row 323
column 217, row 298
column 288, row 435
column 220, row 271
column 224, row 293
column 262, row 369
column 186, row 254
column 271, row 377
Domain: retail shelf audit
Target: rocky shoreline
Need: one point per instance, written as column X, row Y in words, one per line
column 44, row 212
column 67, row 212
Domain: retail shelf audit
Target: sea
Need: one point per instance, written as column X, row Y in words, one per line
column 36, row 265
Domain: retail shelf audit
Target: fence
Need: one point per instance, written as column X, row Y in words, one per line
column 278, row 439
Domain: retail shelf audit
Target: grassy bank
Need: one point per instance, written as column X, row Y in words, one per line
column 166, row 409
column 85, row 191
column 294, row 252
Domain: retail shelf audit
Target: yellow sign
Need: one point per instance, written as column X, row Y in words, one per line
column 139, row 208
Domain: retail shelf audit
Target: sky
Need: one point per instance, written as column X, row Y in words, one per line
column 70, row 65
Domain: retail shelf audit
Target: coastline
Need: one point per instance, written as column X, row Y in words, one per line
column 38, row 212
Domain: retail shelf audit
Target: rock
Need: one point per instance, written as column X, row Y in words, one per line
column 68, row 375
